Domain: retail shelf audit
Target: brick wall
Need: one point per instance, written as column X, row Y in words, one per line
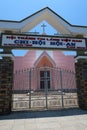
column 6, row 81
column 81, row 80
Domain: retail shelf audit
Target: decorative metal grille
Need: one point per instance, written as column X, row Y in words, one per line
column 58, row 89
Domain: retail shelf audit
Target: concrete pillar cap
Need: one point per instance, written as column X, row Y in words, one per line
column 7, row 55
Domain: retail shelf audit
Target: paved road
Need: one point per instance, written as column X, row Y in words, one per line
column 70, row 119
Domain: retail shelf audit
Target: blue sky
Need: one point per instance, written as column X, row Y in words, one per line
column 74, row 11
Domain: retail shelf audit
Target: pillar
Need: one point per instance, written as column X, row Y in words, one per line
column 81, row 81
column 6, row 83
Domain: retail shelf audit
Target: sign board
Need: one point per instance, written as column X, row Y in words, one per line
column 37, row 41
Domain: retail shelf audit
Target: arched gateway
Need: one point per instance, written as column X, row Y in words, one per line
column 45, row 85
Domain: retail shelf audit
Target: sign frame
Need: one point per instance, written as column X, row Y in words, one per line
column 55, row 42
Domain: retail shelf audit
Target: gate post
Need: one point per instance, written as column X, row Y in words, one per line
column 6, row 83
column 81, row 80
column 61, row 88
column 30, row 88
column 46, row 88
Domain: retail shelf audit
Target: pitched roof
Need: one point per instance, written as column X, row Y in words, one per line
column 46, row 56
column 56, row 21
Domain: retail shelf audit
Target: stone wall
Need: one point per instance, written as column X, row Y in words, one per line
column 6, row 82
column 81, row 80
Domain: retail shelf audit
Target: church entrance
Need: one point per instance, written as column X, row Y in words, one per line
column 45, row 79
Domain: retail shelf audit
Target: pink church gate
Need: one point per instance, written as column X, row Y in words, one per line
column 44, row 88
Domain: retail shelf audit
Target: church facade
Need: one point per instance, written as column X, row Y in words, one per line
column 40, row 71
column 45, row 67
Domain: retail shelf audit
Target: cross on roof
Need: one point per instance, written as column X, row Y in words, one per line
column 43, row 26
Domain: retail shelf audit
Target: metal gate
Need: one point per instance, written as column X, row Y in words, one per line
column 44, row 88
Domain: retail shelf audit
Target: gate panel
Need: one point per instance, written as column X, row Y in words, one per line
column 69, row 91
column 58, row 89
column 21, row 90
column 38, row 96
column 54, row 95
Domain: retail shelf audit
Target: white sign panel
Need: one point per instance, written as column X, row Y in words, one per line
column 30, row 41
